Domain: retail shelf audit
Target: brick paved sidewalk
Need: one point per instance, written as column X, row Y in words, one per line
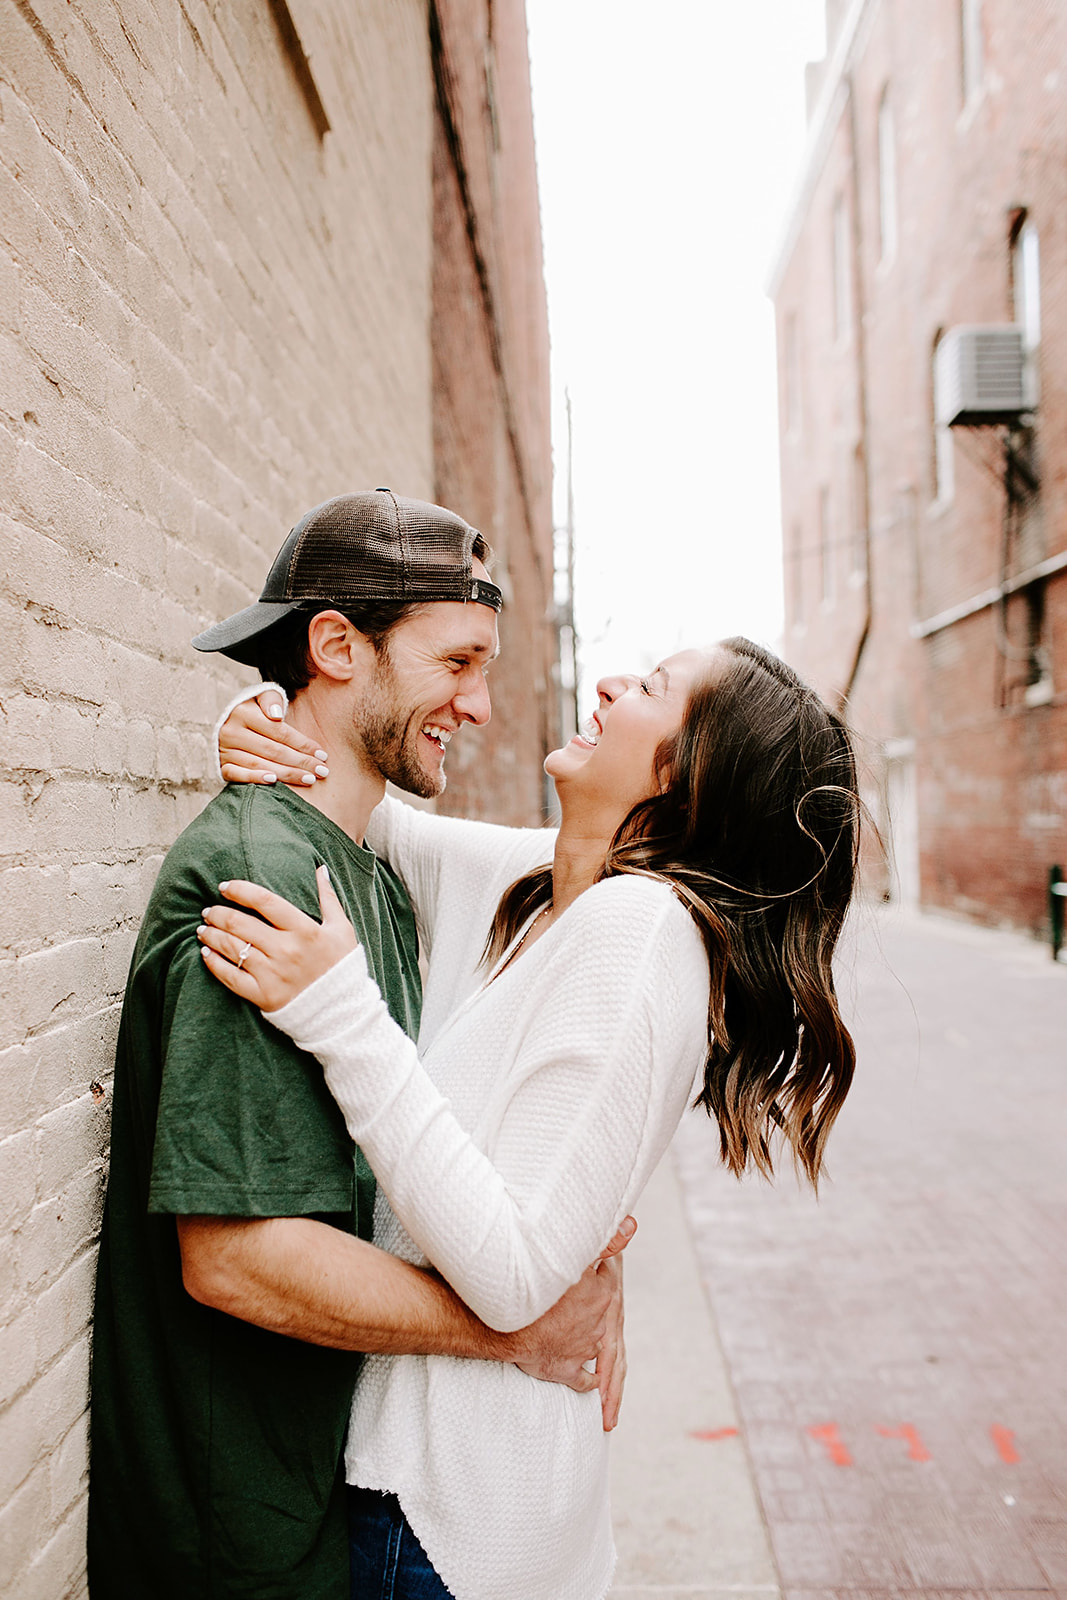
column 898, row 1350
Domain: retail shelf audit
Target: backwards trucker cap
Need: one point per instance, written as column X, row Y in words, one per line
column 354, row 550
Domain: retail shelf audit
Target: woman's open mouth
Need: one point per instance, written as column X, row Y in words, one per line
column 589, row 733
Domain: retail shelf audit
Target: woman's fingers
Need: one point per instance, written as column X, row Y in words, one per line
column 279, row 912
column 249, row 772
column 272, row 704
column 249, row 715
column 282, row 950
column 244, row 928
column 228, row 944
column 233, row 773
column 281, row 733
column 250, row 749
column 251, row 741
column 332, row 909
column 238, row 979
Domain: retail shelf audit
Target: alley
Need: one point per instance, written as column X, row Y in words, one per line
column 895, row 1350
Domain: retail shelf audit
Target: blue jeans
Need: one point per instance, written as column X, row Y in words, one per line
column 386, row 1561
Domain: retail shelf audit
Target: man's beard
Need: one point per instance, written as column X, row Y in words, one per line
column 389, row 738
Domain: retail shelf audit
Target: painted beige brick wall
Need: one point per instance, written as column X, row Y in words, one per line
column 210, row 319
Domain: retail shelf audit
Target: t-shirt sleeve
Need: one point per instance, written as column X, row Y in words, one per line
column 245, row 1125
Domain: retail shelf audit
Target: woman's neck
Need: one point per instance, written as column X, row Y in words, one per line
column 577, row 862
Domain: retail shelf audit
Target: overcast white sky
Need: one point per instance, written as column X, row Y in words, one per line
column 668, row 143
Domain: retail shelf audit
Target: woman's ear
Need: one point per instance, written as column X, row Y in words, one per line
column 664, row 765
column 338, row 650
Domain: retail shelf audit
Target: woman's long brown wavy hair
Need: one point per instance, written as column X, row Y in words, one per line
column 756, row 831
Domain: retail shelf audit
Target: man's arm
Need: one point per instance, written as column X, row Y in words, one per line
column 307, row 1280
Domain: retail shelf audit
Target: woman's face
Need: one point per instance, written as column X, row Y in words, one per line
column 612, row 759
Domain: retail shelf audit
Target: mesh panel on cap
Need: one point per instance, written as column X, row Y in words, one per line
column 381, row 547
column 437, row 546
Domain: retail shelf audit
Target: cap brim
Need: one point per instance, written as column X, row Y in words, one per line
column 233, row 634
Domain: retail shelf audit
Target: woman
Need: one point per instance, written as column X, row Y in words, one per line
column 683, row 917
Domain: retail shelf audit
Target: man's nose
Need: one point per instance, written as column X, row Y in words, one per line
column 472, row 704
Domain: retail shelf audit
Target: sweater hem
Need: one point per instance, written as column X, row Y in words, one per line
column 359, row 1474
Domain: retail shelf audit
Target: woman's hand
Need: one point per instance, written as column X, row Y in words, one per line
column 257, row 746
column 271, row 961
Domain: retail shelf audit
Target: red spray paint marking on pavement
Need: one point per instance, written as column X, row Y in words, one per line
column 713, row 1433
column 917, row 1451
column 1004, row 1440
column 826, row 1433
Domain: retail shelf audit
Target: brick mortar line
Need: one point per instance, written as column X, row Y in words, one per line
column 69, row 387
column 189, row 307
column 87, row 176
column 65, row 623
column 180, row 239
column 328, row 257
column 117, row 782
column 77, row 1579
column 139, row 783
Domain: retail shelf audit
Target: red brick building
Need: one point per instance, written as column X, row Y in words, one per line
column 926, row 564
column 492, row 447
column 251, row 256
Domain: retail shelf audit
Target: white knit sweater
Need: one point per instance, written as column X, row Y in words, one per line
column 543, row 1101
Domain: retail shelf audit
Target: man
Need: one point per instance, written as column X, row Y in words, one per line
column 236, row 1284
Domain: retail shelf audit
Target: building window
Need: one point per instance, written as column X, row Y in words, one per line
column 1039, row 687
column 972, row 55
column 826, row 550
column 792, row 375
column 1026, row 284
column 887, row 179
column 842, row 281
column 944, row 451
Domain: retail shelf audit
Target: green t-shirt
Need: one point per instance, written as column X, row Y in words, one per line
column 216, row 1467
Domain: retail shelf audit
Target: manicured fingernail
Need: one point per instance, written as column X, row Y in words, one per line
column 200, row 930
column 223, row 887
column 309, row 777
column 323, row 772
column 324, row 869
column 268, row 777
column 321, row 755
column 275, row 713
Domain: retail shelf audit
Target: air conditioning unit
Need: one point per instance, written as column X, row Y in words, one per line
column 982, row 375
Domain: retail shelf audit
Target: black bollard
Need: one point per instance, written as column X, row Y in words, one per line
column 1057, row 898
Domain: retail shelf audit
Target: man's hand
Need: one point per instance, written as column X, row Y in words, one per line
column 611, row 1361
column 579, row 1327
column 556, row 1347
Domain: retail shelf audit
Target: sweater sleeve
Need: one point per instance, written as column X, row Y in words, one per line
column 430, row 853
column 614, row 1031
column 251, row 691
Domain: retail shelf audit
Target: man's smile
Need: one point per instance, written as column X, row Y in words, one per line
column 437, row 734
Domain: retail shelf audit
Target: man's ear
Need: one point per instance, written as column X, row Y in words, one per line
column 338, row 650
